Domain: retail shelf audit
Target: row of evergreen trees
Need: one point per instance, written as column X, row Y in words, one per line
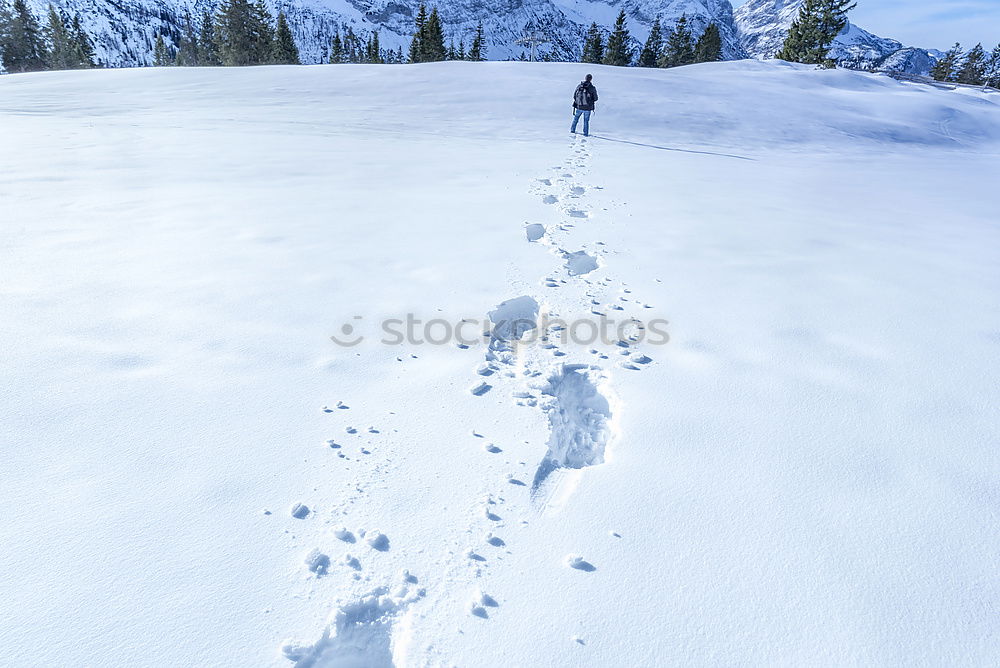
column 975, row 67
column 27, row 46
column 244, row 33
column 428, row 41
column 676, row 49
column 240, row 33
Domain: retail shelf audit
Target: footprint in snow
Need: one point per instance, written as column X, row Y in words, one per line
column 377, row 540
column 317, row 562
column 480, row 601
column 580, row 263
column 344, row 534
column 360, row 633
column 534, row 231
column 550, row 199
column 579, row 563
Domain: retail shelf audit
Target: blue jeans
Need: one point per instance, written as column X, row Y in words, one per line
column 586, row 121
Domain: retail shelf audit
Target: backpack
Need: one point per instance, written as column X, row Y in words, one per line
column 581, row 98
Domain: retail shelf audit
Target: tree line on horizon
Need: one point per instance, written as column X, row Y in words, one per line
column 428, row 45
column 675, row 49
column 244, row 32
column 237, row 33
column 976, row 68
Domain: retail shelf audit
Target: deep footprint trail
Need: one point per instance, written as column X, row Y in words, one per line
column 531, row 359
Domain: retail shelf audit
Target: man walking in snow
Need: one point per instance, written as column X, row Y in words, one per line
column 583, row 103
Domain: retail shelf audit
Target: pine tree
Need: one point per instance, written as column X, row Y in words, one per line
column 618, row 52
column 946, row 68
column 5, row 20
column 336, row 49
column 22, row 44
column 60, row 54
column 708, row 49
column 478, row 42
column 993, row 68
column 973, row 69
column 235, row 33
column 187, row 49
column 285, row 52
column 461, row 50
column 417, row 45
column 83, row 48
column 679, row 49
column 813, row 31
column 802, row 43
column 263, row 34
column 161, row 53
column 433, row 43
column 654, row 45
column 354, row 50
column 208, row 48
column 244, row 33
column 373, row 52
column 593, row 46
column 833, row 20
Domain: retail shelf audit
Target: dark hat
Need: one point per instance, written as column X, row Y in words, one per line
column 589, row 77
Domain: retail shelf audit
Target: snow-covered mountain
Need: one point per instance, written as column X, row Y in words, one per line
column 763, row 24
column 911, row 60
column 125, row 30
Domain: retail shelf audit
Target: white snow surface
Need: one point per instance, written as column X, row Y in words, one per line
column 806, row 474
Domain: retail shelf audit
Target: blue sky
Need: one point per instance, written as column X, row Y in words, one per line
column 933, row 24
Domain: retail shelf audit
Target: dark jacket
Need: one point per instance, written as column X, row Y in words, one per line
column 585, row 96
